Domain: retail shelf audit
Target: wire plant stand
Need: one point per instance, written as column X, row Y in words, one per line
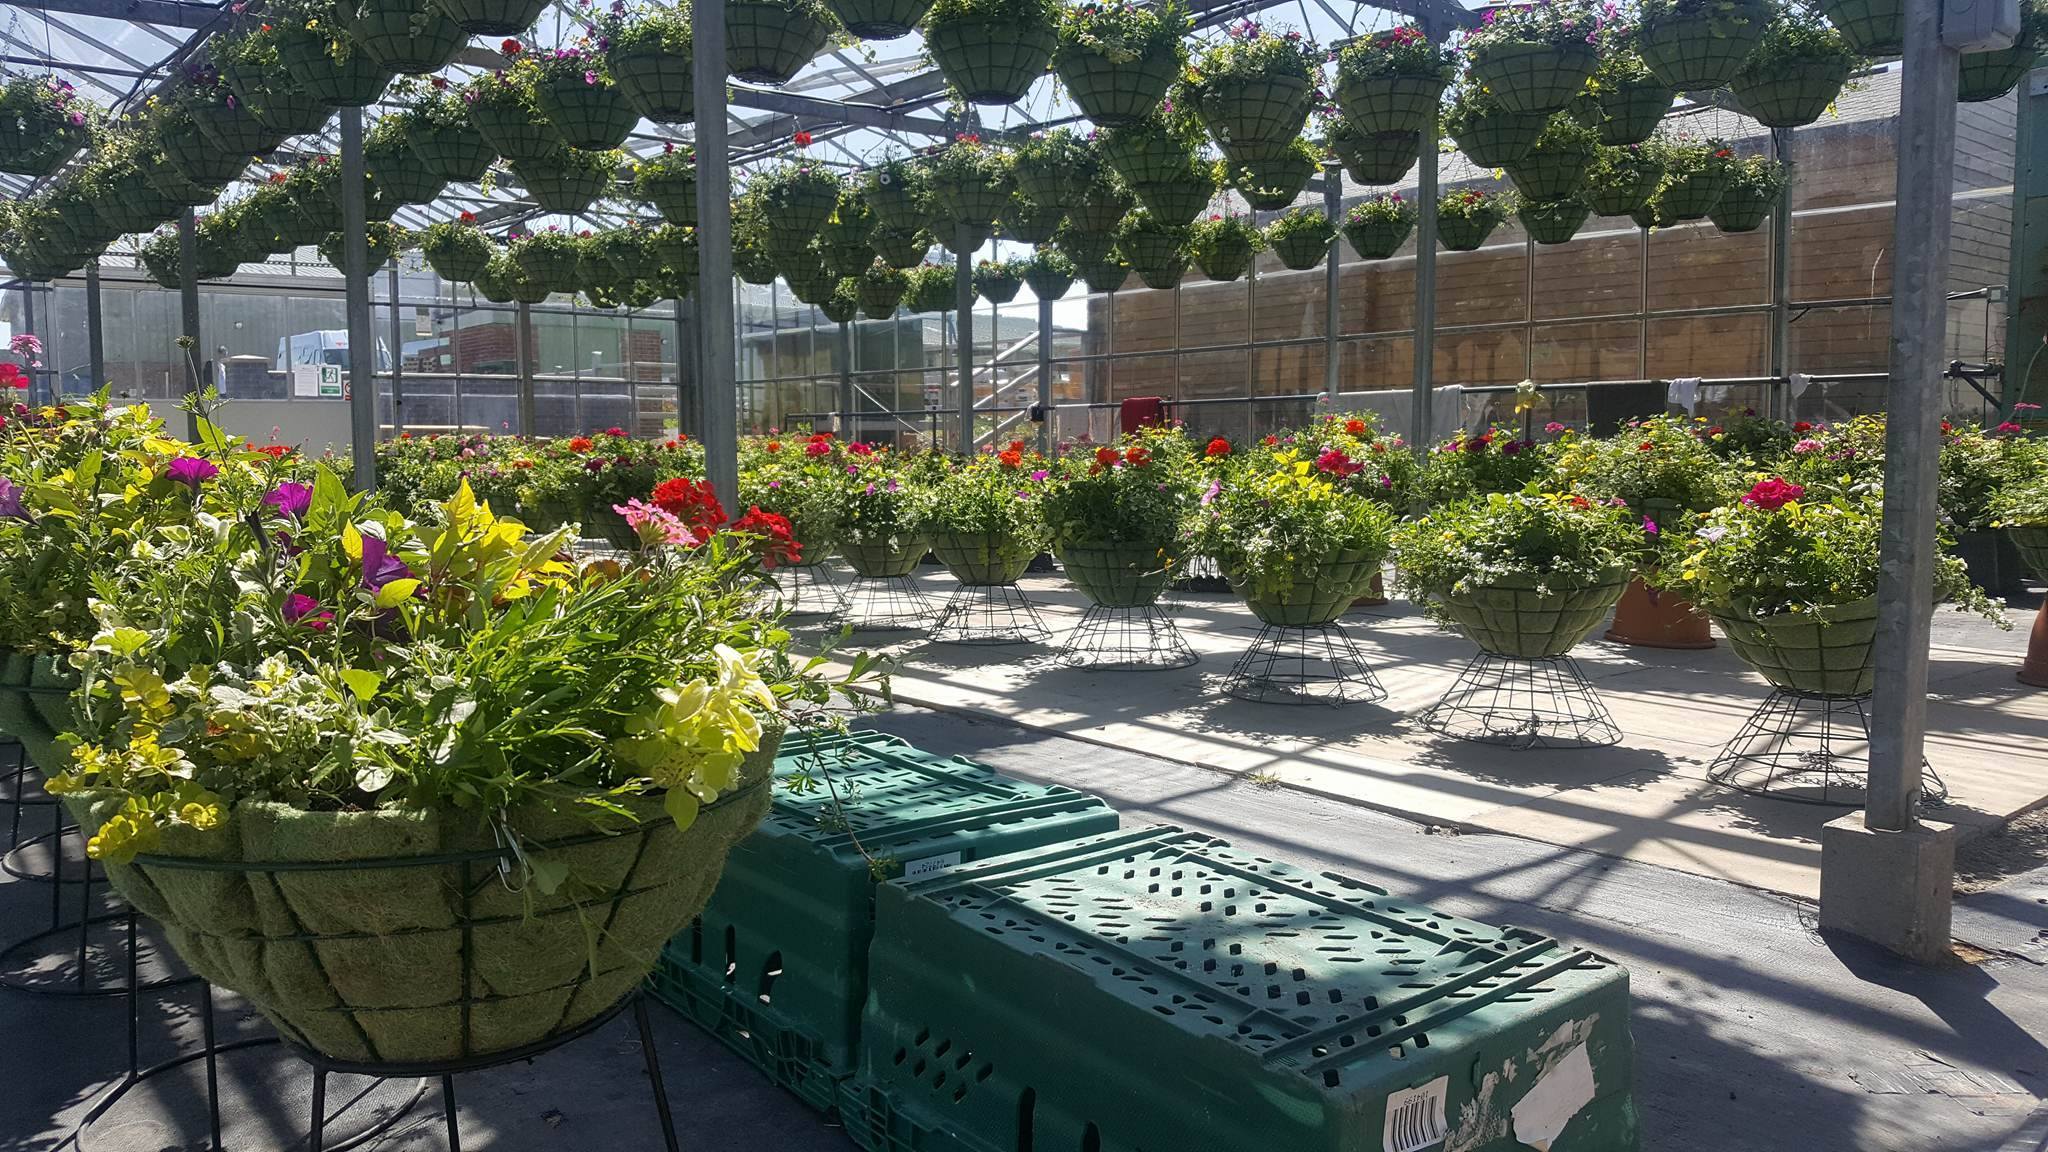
column 1313, row 664
column 1542, row 702
column 1809, row 748
column 1126, row 639
column 989, row 614
column 805, row 590
column 16, row 797
column 887, row 604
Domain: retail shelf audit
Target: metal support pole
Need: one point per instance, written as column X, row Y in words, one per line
column 1781, row 282
column 1045, row 436
column 846, row 380
column 1333, row 206
column 28, row 325
column 188, row 307
column 1422, row 421
column 963, row 287
column 397, row 359
column 95, row 334
column 355, row 272
column 1927, row 134
column 715, row 312
column 686, row 397
column 522, row 339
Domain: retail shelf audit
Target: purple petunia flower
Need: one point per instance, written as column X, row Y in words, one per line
column 10, row 501
column 380, row 567
column 290, row 499
column 192, row 471
column 300, row 608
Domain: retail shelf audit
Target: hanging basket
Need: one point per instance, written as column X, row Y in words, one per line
column 879, row 299
column 1742, row 208
column 279, row 103
column 403, row 38
column 900, row 247
column 30, row 147
column 591, row 116
column 1872, row 27
column 554, row 269
column 768, row 43
column 1826, row 653
column 1255, row 110
column 991, row 61
column 1529, row 76
column 392, row 936
column 35, row 706
column 658, row 83
column 400, row 176
column 1629, row 114
column 1175, row 201
column 567, row 189
column 1691, row 197
column 887, row 560
column 1117, row 93
column 1497, row 139
column 1378, row 239
column 1377, row 157
column 879, row 19
column 1271, row 185
column 494, row 17
column 2031, row 542
column 1321, row 590
column 455, row 152
column 1513, row 618
column 1103, row 274
column 1790, row 96
column 1299, row 251
column 1162, row 274
column 1989, row 75
column 234, row 131
column 1391, row 103
column 1465, row 233
column 1029, row 223
column 982, row 559
column 1622, row 199
column 513, row 133
column 458, row 264
column 1550, row 175
column 199, row 160
column 1690, row 54
column 353, row 81
column 974, row 204
column 1224, row 257
column 1552, row 221
column 672, row 192
column 1115, row 574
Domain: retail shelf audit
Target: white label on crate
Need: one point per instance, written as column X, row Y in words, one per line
column 1415, row 1116
column 1564, row 1088
column 930, row 866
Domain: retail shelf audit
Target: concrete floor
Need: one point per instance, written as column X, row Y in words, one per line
column 1753, row 1031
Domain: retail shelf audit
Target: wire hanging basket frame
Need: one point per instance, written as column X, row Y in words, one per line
column 1545, row 702
column 1808, row 748
column 1313, row 664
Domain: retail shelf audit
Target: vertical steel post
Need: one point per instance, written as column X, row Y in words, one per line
column 355, row 271
column 845, row 420
column 717, row 367
column 686, row 397
column 963, row 289
column 1920, row 245
column 1421, row 421
column 95, row 334
column 1045, row 436
column 28, row 325
column 188, row 307
column 522, row 338
column 1333, row 276
column 1781, row 282
column 397, row 358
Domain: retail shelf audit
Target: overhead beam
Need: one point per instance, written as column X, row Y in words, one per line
column 169, row 13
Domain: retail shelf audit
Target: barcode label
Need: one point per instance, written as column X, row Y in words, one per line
column 1415, row 1116
column 930, row 866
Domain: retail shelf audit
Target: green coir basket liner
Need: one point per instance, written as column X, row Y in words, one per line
column 1117, row 575
column 35, row 706
column 1318, row 594
column 1826, row 653
column 405, row 38
column 1378, row 239
column 1255, row 110
column 595, row 116
column 1550, row 175
column 1630, row 114
column 885, row 561
column 1989, row 75
column 1552, row 221
column 423, row 952
column 1498, row 139
column 1527, row 76
column 451, row 151
column 1742, row 209
column 991, row 61
column 494, row 17
column 513, row 135
column 2032, row 543
column 767, row 43
column 1162, row 990
column 567, row 189
column 1378, row 157
column 879, row 19
column 1872, row 27
column 776, row 966
column 1465, row 233
column 1696, row 53
column 1691, row 197
column 1792, row 96
column 982, row 558
column 1299, row 251
column 1514, row 618
column 659, row 84
column 355, row 82
column 1390, row 103
column 1115, row 93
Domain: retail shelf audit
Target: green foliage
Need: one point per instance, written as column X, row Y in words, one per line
column 944, row 12
column 1399, row 51
column 1473, row 204
column 1300, row 224
column 1978, row 468
column 2022, row 503
column 652, row 27
column 1056, row 159
column 1123, row 33
column 1760, row 174
column 797, row 479
column 1683, row 158
column 1646, row 465
column 1625, row 166
column 795, row 183
column 1494, row 461
column 1279, row 514
column 1250, row 52
column 877, row 497
column 1118, row 495
column 1723, row 17
column 1557, row 22
column 1387, row 208
column 999, row 494
column 1554, row 539
column 970, row 162
column 1797, row 37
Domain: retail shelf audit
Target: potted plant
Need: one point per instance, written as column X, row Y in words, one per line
column 1694, row 45
column 1792, row 583
column 668, row 181
column 899, row 247
column 991, row 51
column 438, row 128
column 1114, row 519
column 998, row 281
column 1534, row 57
column 547, row 257
column 1523, row 575
column 1488, row 134
column 1276, row 180
column 1160, row 159
column 677, row 249
column 568, row 180
column 456, row 249
column 1054, row 168
column 502, row 107
column 1104, row 270
column 399, row 175
column 251, row 68
column 843, row 242
column 1554, row 167
column 1102, row 201
column 652, row 62
column 574, row 90
column 898, row 193
column 1463, row 466
column 1223, row 246
column 1392, row 81
column 1291, row 537
column 1872, row 27
column 320, row 55
column 752, row 260
column 769, row 41
column 224, row 122
column 1795, row 72
column 1696, row 173
column 1370, row 157
column 1623, row 102
column 796, row 198
column 878, row 506
column 1989, row 75
column 1254, row 88
column 1028, row 222
column 2020, row 508
column 804, row 270
column 383, row 240
column 631, row 250
column 970, row 183
column 1465, row 217
column 1048, row 272
column 1755, row 184
column 1118, row 59
column 409, row 36
column 1378, row 225
column 1552, row 221
column 795, row 480
column 984, row 520
column 881, row 289
column 933, row 288
column 1301, row 238
column 1621, row 179
column 505, row 282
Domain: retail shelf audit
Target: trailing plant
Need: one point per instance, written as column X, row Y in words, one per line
column 1302, row 229
column 456, row 249
column 1285, row 513
column 1403, row 50
column 1117, row 495
column 1000, row 494
column 998, row 281
column 1056, row 167
column 1557, row 541
column 1495, row 460
column 1223, row 246
column 1559, row 23
column 1978, row 469
column 876, row 499
column 1048, row 272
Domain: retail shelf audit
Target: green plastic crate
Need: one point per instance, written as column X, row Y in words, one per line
column 1160, row 991
column 777, row 965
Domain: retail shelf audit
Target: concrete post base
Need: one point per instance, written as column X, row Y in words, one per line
column 1891, row 888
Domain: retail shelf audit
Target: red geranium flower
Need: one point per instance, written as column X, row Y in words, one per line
column 580, row 444
column 276, row 451
column 860, row 449
column 773, row 446
column 1803, row 426
column 1217, row 447
column 778, row 543
column 1105, row 456
column 615, row 431
column 1138, row 456
column 1269, row 440
column 1010, row 458
column 511, row 47
column 691, row 501
column 1773, row 494
column 817, row 448
column 1355, row 426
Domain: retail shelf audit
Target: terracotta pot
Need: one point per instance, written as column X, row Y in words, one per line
column 1650, row 619
column 1375, row 593
column 2035, row 671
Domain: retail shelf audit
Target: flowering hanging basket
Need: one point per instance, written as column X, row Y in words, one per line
column 879, row 19
column 1465, row 233
column 1550, row 175
column 974, row 203
column 991, row 61
column 412, row 38
column 672, row 191
column 886, row 560
column 391, row 936
column 552, row 266
column 1272, row 184
column 1320, row 592
column 279, row 103
column 514, row 134
column 880, row 297
column 900, row 247
column 1989, row 75
column 1391, row 103
column 1114, row 574
column 198, row 159
column 494, row 17
column 1695, row 52
column 1103, row 273
column 1378, row 238
column 1531, row 76
column 1114, row 93
column 1872, row 27
column 1742, row 208
column 1552, row 221
column 1264, row 109
column 1223, row 256
column 1162, row 273
column 586, row 115
column 1823, row 653
column 1176, row 201
column 983, row 559
column 398, row 174
column 659, row 83
column 455, row 152
column 1692, row 196
column 459, row 262
column 35, row 706
column 1791, row 96
column 233, row 129
column 350, row 80
column 1377, row 157
column 1299, row 251
column 767, row 42
column 1623, row 191
column 1532, row 618
column 565, row 188
column 1030, row 223
column 1496, row 139
column 380, row 243
column 1630, row 112
column 33, row 146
